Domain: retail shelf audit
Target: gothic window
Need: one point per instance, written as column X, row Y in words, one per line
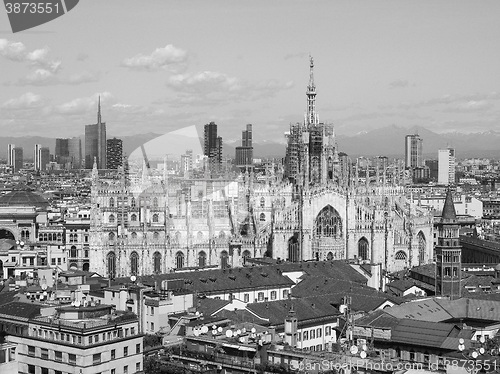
column 199, row 235
column 133, row 217
column 328, row 223
column 177, row 237
column 329, row 256
column 262, row 202
column 111, row 218
column 262, row 217
column 400, row 255
column 111, row 265
column 157, row 262
column 111, row 202
column 111, row 236
column 179, row 260
column 155, row 217
column 363, row 249
column 421, row 247
column 293, row 249
column 202, row 259
column 134, row 235
column 224, row 260
column 246, row 255
column 73, row 252
column 156, row 235
column 134, row 263
column 132, row 202
column 155, row 202
column 222, row 235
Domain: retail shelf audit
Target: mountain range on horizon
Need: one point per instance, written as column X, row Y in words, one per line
column 387, row 141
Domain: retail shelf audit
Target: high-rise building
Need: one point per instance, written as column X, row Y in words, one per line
column 17, row 158
column 75, row 152
column 187, row 163
column 41, row 157
column 448, row 252
column 446, row 166
column 114, row 153
column 244, row 154
column 10, row 154
column 433, row 169
column 413, row 152
column 95, row 142
column 212, row 146
column 62, row 151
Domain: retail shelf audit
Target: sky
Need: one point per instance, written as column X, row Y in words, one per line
column 163, row 65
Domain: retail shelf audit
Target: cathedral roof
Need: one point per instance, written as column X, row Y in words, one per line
column 23, row 198
column 449, row 214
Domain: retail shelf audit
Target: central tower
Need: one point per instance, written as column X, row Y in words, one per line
column 311, row 116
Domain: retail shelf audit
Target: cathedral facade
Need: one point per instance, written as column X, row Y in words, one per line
column 317, row 207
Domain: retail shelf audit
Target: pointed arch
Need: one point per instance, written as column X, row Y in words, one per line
column 157, row 262
column 111, row 202
column 400, row 255
column 293, row 248
column 329, row 256
column 202, row 259
column 363, row 249
column 224, row 260
column 422, row 244
column 328, row 223
column 179, row 260
column 134, row 263
column 262, row 217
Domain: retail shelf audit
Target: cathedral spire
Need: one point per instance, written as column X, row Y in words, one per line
column 311, row 116
column 99, row 110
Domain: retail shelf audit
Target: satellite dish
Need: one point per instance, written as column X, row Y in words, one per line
column 219, row 329
column 22, row 243
column 474, row 354
column 342, row 309
column 44, row 293
column 364, row 347
column 229, row 333
column 244, row 330
column 77, row 304
column 214, row 327
column 362, row 354
column 254, row 330
column 133, row 278
column 238, row 332
column 197, row 314
column 44, row 286
column 214, row 332
column 242, row 339
column 204, row 329
column 482, row 339
column 461, row 340
column 354, row 349
column 196, row 332
column 461, row 347
column 481, row 350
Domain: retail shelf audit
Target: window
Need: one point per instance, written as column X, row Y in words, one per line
column 31, row 369
column 138, row 348
column 260, row 296
column 72, row 359
column 318, row 333
column 179, row 260
column 152, row 326
column 299, row 336
column 125, row 370
column 111, row 218
column 155, row 218
column 97, row 358
column 157, row 262
column 306, row 335
column 312, row 334
column 138, row 366
column 133, row 217
column 90, row 339
column 44, row 353
column 285, row 294
column 273, row 295
column 262, row 217
column 31, row 350
column 113, row 354
column 132, row 330
column 134, row 263
column 111, row 203
column 125, row 351
column 113, row 371
column 328, row 331
column 58, row 355
column 202, row 259
column 246, row 298
column 262, row 202
column 53, row 261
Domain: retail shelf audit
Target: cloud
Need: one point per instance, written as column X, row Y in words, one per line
column 295, row 55
column 399, row 83
column 451, row 99
column 28, row 100
column 470, row 106
column 213, row 88
column 82, row 105
column 168, row 57
column 17, row 51
column 43, row 77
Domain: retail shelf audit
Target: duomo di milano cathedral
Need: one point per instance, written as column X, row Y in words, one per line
column 316, row 207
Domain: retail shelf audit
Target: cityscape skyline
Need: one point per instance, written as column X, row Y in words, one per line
column 381, row 69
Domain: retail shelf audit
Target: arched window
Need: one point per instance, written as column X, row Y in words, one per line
column 222, row 235
column 422, row 244
column 156, row 235
column 157, row 262
column 132, row 202
column 262, row 202
column 246, row 255
column 134, row 235
column 111, row 218
column 329, row 256
column 179, row 260
column 400, row 255
column 111, row 265
column 133, row 218
column 177, row 237
column 155, row 217
column 111, row 236
column 111, row 202
column 155, row 202
column 134, row 263
column 363, row 249
column 262, row 217
column 202, row 259
column 293, row 248
column 224, row 260
column 59, row 237
column 328, row 223
column 73, row 252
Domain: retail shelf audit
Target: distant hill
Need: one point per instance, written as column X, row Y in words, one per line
column 386, row 141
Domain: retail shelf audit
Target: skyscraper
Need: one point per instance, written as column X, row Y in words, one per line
column 95, row 142
column 41, row 157
column 61, row 153
column 75, row 152
column 413, row 152
column 10, row 154
column 212, row 146
column 17, row 159
column 114, row 153
column 244, row 154
column 446, row 166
